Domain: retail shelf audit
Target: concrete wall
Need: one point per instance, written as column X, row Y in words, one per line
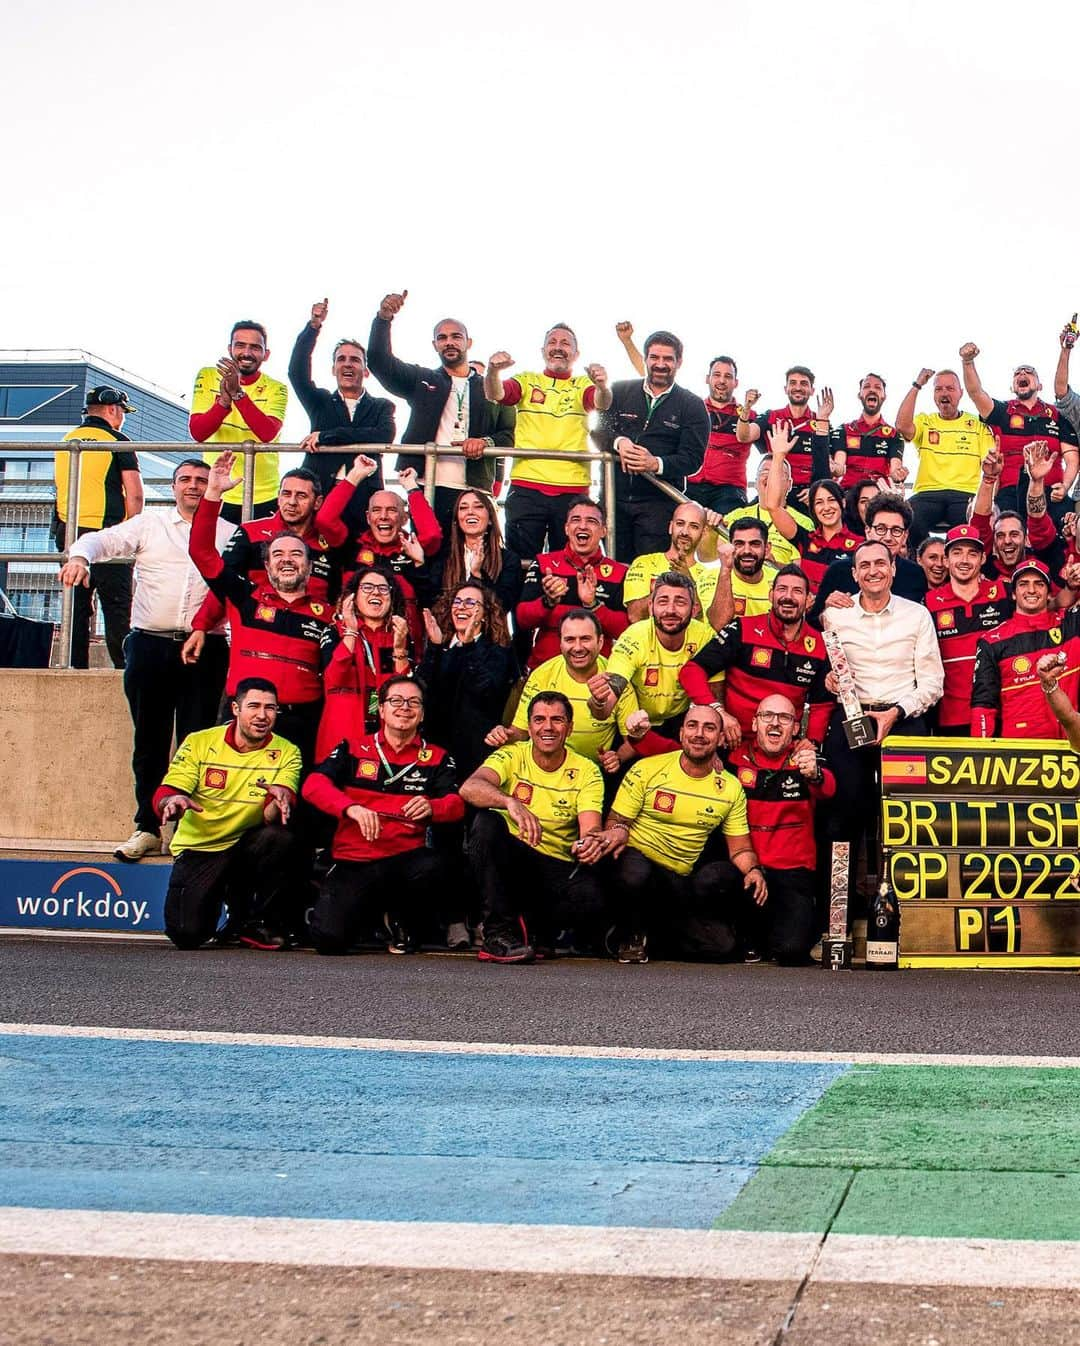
column 65, row 756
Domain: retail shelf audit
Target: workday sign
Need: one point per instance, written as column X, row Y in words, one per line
column 46, row 895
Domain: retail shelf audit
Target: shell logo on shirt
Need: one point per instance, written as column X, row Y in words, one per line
column 946, row 619
column 538, row 395
column 760, row 658
column 1022, row 665
column 366, row 557
column 369, row 770
column 747, row 776
column 264, row 613
column 664, row 801
column 853, row 441
column 652, row 677
column 1016, row 422
column 215, row 778
column 933, row 437
column 523, row 791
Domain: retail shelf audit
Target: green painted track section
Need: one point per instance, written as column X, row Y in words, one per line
column 934, row 1151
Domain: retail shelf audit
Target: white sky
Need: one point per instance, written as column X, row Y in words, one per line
column 845, row 185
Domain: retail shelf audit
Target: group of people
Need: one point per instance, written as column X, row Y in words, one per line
column 391, row 716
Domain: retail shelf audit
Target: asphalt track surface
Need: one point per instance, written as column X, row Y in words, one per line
column 59, row 1298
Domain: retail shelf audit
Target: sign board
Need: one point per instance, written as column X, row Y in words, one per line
column 983, row 845
column 77, row 894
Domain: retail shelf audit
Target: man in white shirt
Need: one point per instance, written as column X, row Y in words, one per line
column 166, row 684
column 895, row 660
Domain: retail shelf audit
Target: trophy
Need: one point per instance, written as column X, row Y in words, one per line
column 836, row 945
column 859, row 729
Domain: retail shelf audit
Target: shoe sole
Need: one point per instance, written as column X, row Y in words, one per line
column 502, row 958
column 250, row 943
column 133, row 859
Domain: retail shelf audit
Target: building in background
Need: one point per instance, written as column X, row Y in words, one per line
column 42, row 395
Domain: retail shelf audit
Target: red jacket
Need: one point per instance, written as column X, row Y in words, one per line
column 533, row 614
column 1007, row 699
column 960, row 626
column 779, row 806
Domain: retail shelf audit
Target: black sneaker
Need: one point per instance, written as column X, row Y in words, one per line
column 505, row 947
column 400, row 940
column 751, row 955
column 635, row 949
column 262, row 937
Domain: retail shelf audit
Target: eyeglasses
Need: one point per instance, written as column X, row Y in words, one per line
column 1024, row 369
column 780, row 716
column 403, row 702
column 466, row 602
column 374, row 588
column 887, row 530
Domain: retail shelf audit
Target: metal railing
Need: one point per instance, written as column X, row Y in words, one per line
column 249, row 449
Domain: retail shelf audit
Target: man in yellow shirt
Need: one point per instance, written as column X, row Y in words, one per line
column 231, row 789
column 537, row 800
column 649, row 654
column 234, row 401
column 688, row 527
column 952, row 444
column 552, row 413
column 660, row 833
column 110, row 491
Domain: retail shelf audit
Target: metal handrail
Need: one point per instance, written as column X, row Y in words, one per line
column 249, row 448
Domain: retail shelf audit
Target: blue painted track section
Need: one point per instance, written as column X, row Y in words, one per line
column 105, row 1124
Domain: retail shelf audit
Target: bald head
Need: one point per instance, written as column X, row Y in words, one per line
column 775, row 723
column 685, row 529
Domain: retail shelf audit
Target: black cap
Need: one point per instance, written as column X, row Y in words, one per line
column 105, row 395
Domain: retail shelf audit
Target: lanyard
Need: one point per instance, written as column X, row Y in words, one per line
column 392, row 777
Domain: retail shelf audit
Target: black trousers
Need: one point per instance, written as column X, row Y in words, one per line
column 164, row 695
column 112, row 582
column 531, row 516
column 936, row 512
column 514, row 880
column 256, row 876
column 407, row 885
column 787, row 925
column 641, row 526
column 720, row 498
column 692, row 915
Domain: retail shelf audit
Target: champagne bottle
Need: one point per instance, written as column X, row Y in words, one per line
column 883, row 930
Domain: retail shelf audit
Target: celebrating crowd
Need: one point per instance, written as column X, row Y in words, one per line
column 392, row 716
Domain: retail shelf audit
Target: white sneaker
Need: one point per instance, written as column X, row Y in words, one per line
column 138, row 845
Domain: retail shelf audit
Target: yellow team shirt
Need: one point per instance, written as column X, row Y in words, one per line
column 950, row 452
column 229, row 784
column 672, row 815
column 551, row 415
column 752, row 597
column 555, row 797
column 271, row 397
column 102, row 501
column 645, row 571
column 782, row 550
column 591, row 736
column 653, row 671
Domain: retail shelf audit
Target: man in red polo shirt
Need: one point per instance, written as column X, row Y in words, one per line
column 808, row 457
column 868, row 446
column 578, row 576
column 1023, row 418
column 964, row 609
column 721, row 483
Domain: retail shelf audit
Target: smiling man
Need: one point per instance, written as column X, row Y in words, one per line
column 230, row 790
column 687, row 528
column 868, row 446
column 721, row 483
column 808, row 457
column 552, row 414
column 538, row 801
column 656, row 427
column 235, row 401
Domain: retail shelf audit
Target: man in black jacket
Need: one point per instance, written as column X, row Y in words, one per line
column 346, row 417
column 888, row 520
column 447, row 406
column 654, row 426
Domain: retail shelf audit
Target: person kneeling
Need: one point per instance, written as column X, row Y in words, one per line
column 538, row 804
column 232, row 788
column 665, row 813
column 385, row 789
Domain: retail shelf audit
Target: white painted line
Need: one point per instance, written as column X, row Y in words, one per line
column 558, row 1249
column 532, row 1049
column 1009, row 1263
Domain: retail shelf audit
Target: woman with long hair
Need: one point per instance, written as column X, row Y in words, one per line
column 856, row 499
column 829, row 538
column 367, row 644
column 474, row 550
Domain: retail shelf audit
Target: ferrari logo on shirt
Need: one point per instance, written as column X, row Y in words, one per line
column 664, row 801
column 760, row 658
column 572, row 773
column 318, row 609
column 1055, row 635
column 424, row 755
column 215, row 778
column 523, row 791
column 264, row 613
column 369, row 770
column 652, row 677
column 1016, row 422
column 747, row 776
column 808, row 644
column 273, row 755
column 606, row 569
column 1022, row 665
column 946, row 619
